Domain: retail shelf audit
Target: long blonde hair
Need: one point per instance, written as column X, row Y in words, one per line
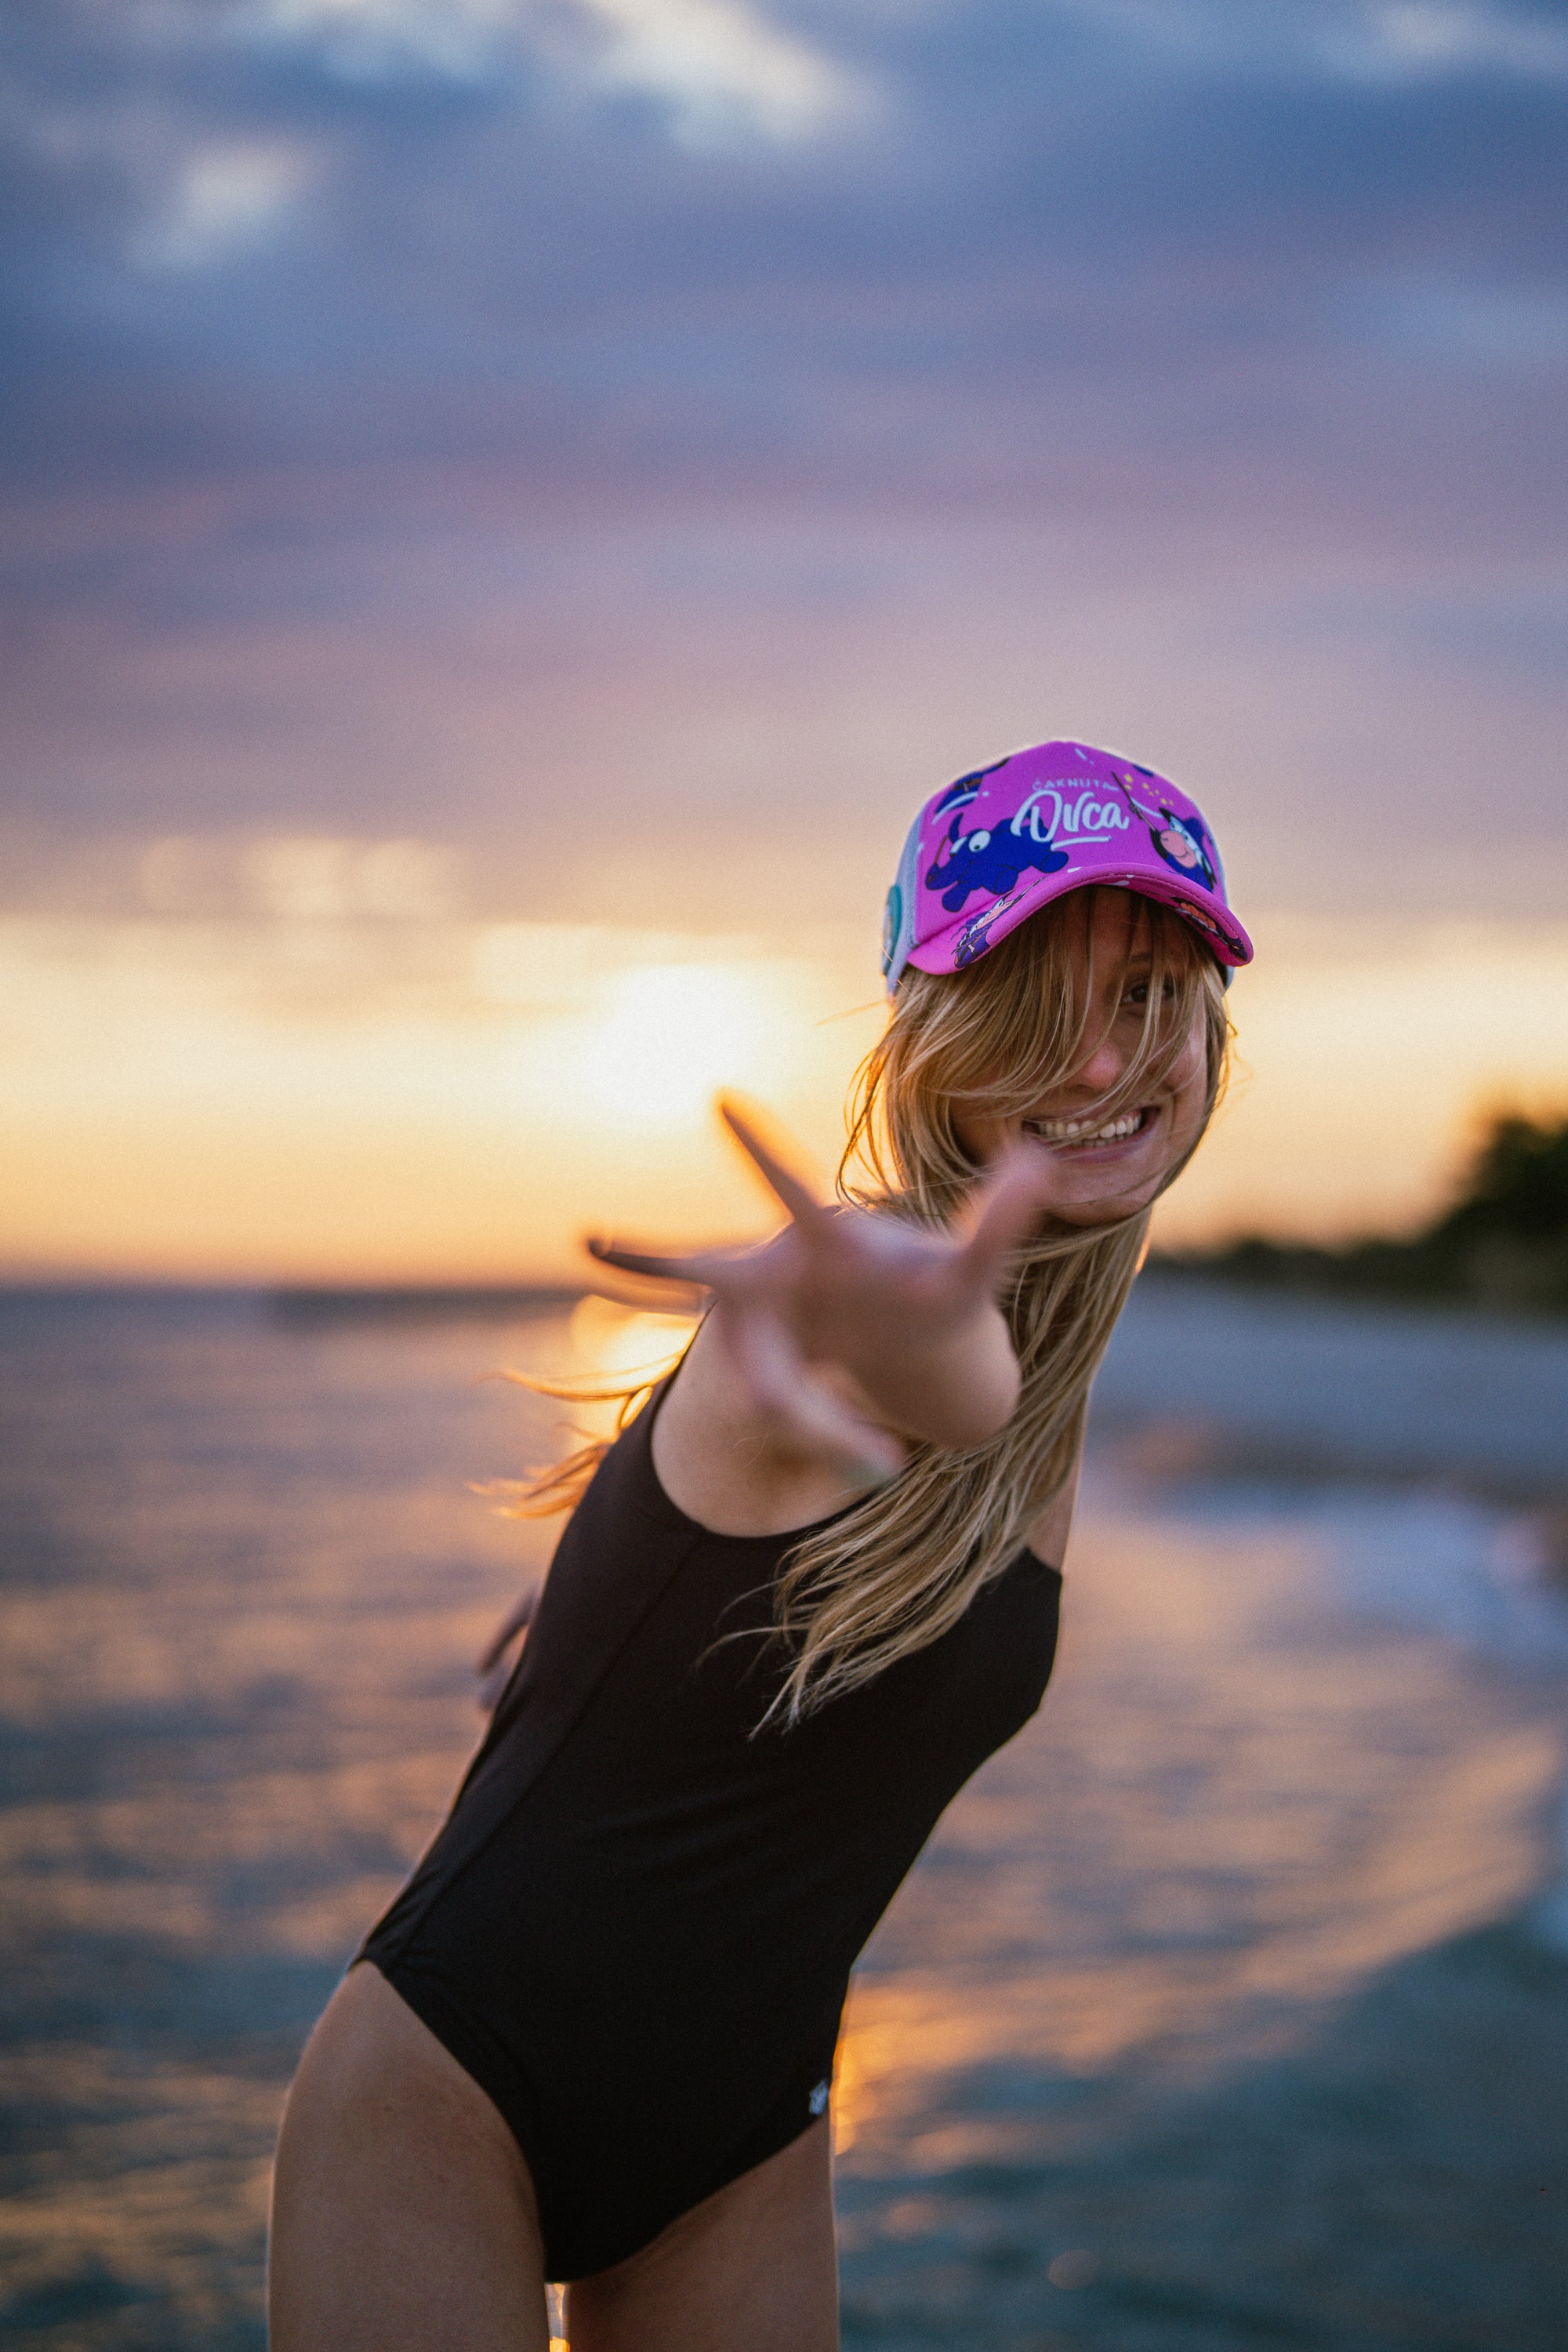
column 899, row 1568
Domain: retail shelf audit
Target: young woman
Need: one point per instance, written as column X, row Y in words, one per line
column 808, row 1589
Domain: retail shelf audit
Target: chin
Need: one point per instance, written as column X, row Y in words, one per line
column 1082, row 1213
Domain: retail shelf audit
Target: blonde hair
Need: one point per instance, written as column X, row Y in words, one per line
column 898, row 1568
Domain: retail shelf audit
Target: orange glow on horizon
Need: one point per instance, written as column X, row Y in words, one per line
column 335, row 1099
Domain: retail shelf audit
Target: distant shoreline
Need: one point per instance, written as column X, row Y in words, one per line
column 1519, row 1283
column 1502, row 1245
column 1369, row 1274
column 308, row 1305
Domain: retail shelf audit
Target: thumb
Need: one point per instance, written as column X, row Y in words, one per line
column 1015, row 1192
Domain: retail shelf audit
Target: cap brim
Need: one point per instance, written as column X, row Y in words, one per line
column 971, row 936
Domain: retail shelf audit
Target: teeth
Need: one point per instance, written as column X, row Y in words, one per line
column 1079, row 1130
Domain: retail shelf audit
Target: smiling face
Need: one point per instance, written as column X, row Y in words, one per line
column 1114, row 1150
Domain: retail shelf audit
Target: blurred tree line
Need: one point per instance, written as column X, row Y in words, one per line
column 1503, row 1242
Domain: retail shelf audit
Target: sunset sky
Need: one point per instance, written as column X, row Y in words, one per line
column 505, row 509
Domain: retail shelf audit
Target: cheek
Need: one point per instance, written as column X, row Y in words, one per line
column 1191, row 1077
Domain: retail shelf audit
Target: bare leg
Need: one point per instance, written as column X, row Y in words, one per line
column 403, row 2214
column 755, row 2266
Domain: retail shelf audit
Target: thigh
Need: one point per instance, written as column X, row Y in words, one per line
column 403, row 2214
column 754, row 2266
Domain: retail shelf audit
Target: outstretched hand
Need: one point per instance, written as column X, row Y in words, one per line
column 854, row 1330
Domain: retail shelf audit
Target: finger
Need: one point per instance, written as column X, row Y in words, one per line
column 691, row 1266
column 781, row 1179
column 677, row 1266
column 768, row 1358
column 1015, row 1191
column 643, row 1294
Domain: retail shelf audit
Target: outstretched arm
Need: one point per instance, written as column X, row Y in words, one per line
column 831, row 1347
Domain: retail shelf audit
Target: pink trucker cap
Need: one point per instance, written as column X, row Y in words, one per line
column 986, row 852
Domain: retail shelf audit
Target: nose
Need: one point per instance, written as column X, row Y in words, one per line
column 1103, row 1067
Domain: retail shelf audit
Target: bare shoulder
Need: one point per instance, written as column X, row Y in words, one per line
column 1047, row 1535
column 720, row 1460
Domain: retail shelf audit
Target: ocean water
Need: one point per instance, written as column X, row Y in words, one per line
column 1228, row 2006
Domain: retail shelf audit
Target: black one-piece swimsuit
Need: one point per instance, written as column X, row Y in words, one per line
column 636, row 1928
